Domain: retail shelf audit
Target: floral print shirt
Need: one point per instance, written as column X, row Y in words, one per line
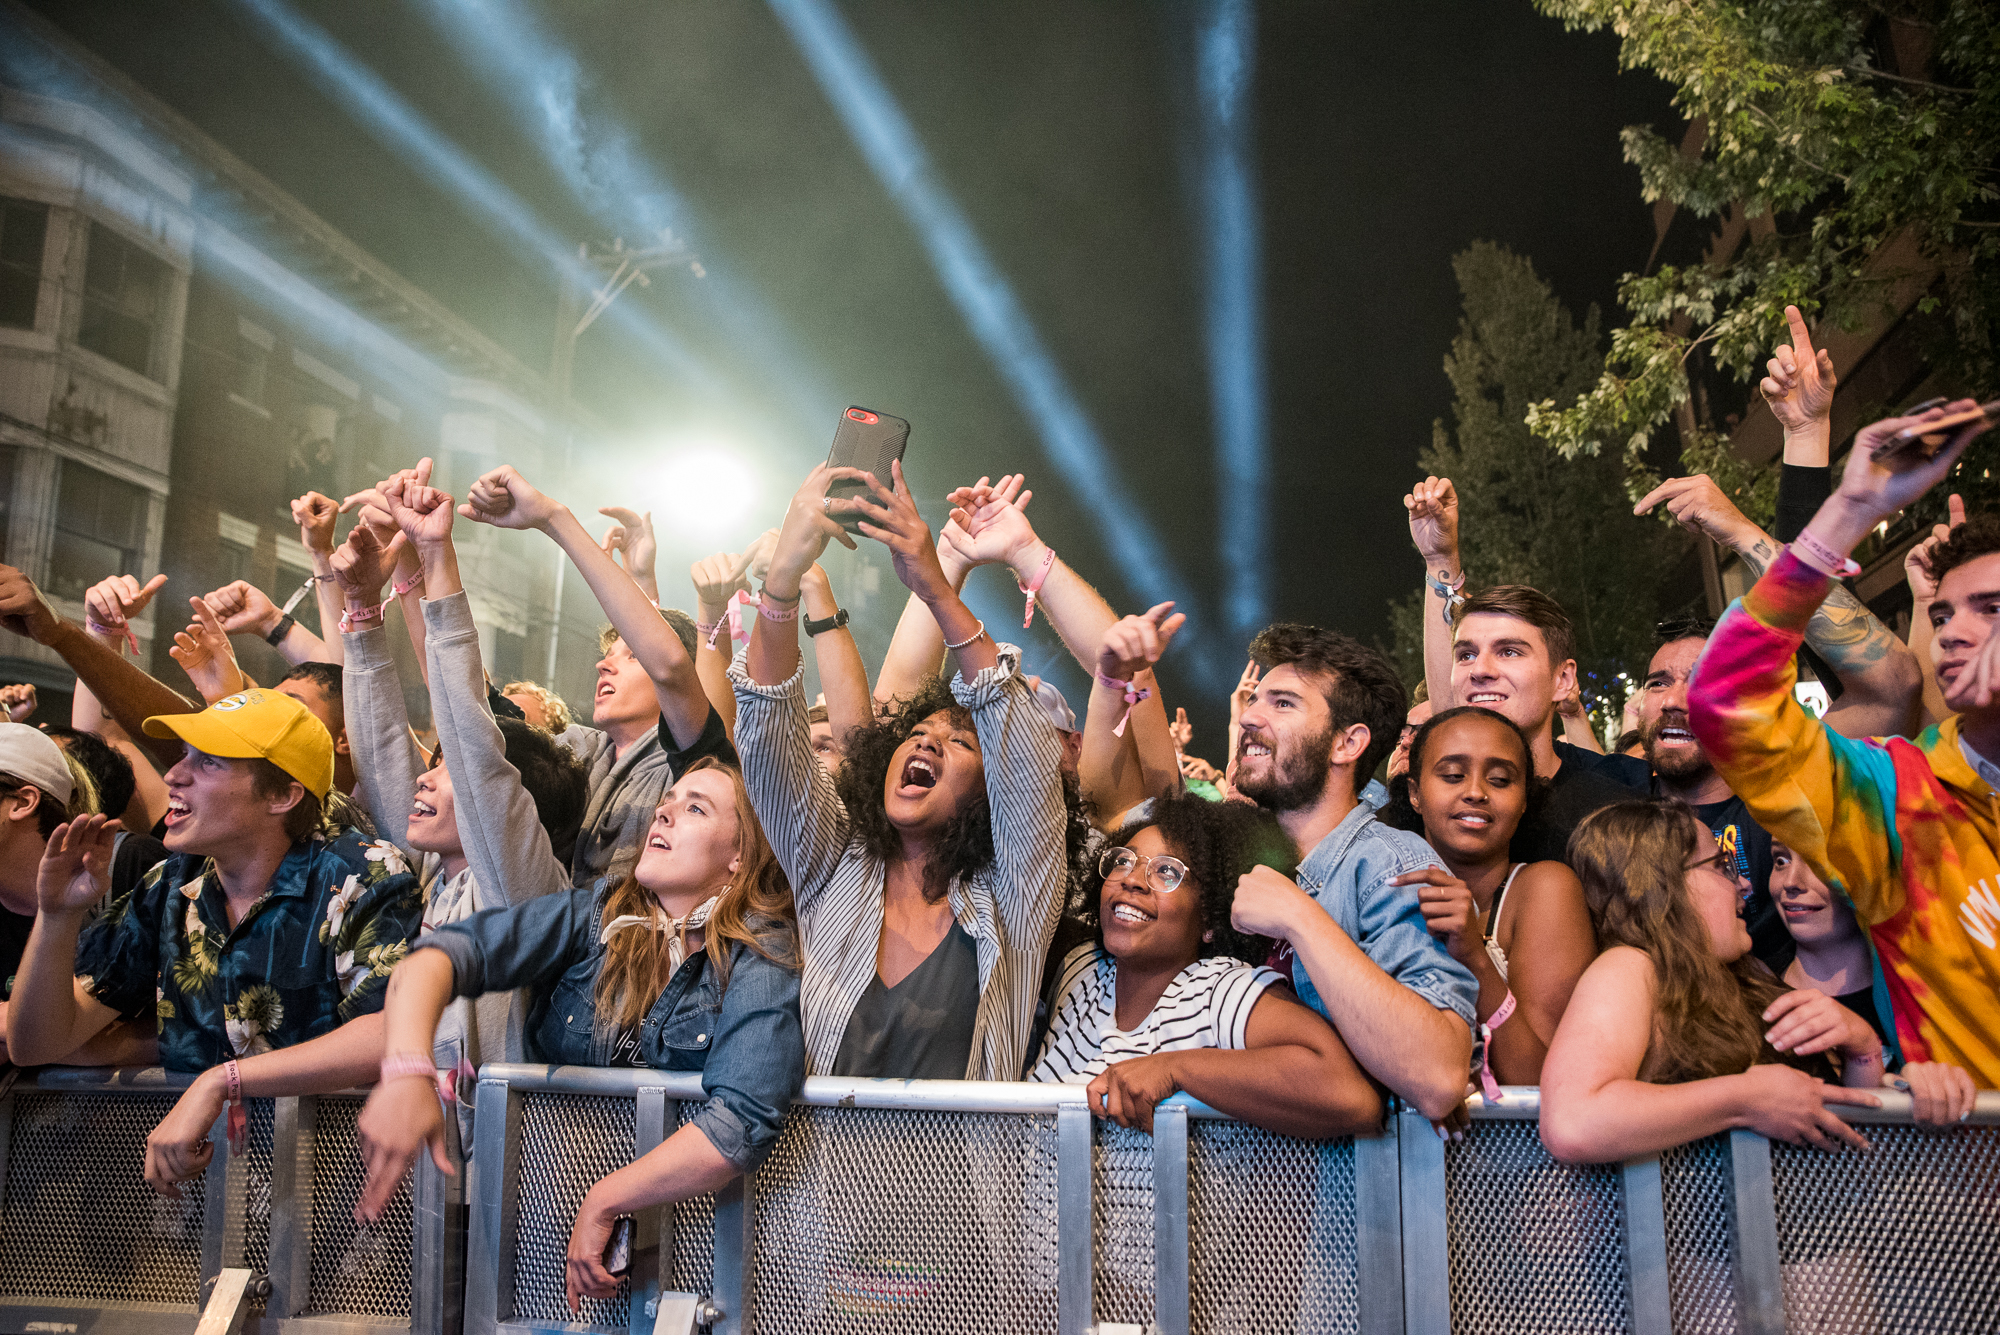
column 313, row 953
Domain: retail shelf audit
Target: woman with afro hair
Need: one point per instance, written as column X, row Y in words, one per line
column 1169, row 997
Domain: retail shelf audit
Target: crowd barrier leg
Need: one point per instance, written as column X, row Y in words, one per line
column 1646, row 1246
column 496, row 1184
column 1172, row 1300
column 1075, row 1235
column 1753, row 1231
column 1378, row 1222
column 1426, row 1249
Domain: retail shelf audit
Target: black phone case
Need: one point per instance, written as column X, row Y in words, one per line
column 861, row 443
column 618, row 1251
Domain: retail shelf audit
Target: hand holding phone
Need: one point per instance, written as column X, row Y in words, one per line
column 618, row 1251
column 1923, row 441
column 867, row 440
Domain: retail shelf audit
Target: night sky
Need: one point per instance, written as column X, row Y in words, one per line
column 1387, row 137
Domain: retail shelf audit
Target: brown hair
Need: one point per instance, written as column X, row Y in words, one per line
column 51, row 815
column 1530, row 605
column 1707, row 1015
column 268, row 783
column 756, row 910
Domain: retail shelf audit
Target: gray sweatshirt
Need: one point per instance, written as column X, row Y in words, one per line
column 507, row 851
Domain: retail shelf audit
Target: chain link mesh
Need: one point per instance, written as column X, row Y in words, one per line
column 1696, row 1186
column 362, row 1269
column 1902, row 1238
column 81, row 1222
column 881, row 1222
column 1535, row 1245
column 568, row 1142
column 1273, row 1230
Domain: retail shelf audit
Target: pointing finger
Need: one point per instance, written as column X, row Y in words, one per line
column 1801, row 338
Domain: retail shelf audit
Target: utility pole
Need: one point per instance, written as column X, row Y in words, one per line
column 621, row 268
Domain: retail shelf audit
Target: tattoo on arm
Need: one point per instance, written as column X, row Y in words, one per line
column 1759, row 556
column 1847, row 635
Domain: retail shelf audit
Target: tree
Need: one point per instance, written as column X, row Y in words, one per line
column 1803, row 128
column 1525, row 515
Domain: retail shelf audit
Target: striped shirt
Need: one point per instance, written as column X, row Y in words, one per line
column 1008, row 909
column 1206, row 1006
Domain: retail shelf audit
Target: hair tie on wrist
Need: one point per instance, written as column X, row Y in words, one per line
column 1133, row 693
column 1034, row 585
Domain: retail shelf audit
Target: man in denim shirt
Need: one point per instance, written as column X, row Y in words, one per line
column 1324, row 714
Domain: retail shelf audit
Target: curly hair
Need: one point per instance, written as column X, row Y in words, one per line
column 1707, row 1014
column 1978, row 536
column 1219, row 842
column 966, row 847
column 1401, row 813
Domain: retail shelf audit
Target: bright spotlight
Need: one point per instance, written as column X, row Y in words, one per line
column 706, row 489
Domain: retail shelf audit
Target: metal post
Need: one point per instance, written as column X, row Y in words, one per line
column 293, row 1147
column 735, row 1234
column 1172, row 1300
column 1753, row 1235
column 215, row 1252
column 496, row 1136
column 1426, row 1246
column 437, row 1239
column 1075, row 1235
column 652, row 1241
column 1646, row 1247
column 1378, row 1228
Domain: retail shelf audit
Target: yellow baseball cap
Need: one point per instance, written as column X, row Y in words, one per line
column 258, row 724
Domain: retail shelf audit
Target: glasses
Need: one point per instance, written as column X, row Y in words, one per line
column 1163, row 874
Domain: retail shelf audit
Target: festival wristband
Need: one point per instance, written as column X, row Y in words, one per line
column 770, row 613
column 1133, row 694
column 239, row 1121
column 113, row 632
column 1034, row 585
column 355, row 616
column 1488, row 1085
column 1823, row 558
column 407, row 1064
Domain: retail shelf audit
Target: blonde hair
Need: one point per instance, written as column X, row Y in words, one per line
column 554, row 708
column 756, row 910
column 1707, row 1014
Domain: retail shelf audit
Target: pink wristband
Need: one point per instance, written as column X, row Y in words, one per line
column 414, row 1064
column 239, row 1121
column 1133, row 694
column 1488, row 1085
column 114, row 632
column 770, row 613
column 1822, row 557
column 350, row 619
column 711, row 633
column 1034, row 586
column 404, row 586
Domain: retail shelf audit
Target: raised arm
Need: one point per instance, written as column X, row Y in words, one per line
column 1881, row 682
column 51, row 1012
column 245, row 609
column 316, row 516
column 1112, row 776
column 504, row 499
column 204, row 653
column 631, row 543
column 1433, row 509
column 717, row 579
column 890, row 517
column 1923, row 592
column 386, row 760
column 129, row 695
column 843, row 677
column 120, row 598
column 498, row 824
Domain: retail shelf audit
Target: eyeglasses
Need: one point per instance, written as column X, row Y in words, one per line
column 1163, row 874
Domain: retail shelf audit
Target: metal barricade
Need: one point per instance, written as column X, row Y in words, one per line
column 1727, row 1234
column 905, row 1206
column 86, row 1244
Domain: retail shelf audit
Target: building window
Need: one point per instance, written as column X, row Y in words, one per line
column 123, row 287
column 24, row 226
column 100, row 530
column 253, row 367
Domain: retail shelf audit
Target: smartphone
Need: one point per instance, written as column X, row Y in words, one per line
column 618, row 1251
column 865, row 439
column 1925, row 441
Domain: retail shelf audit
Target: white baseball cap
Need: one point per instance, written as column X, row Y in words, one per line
column 31, row 756
column 1052, row 703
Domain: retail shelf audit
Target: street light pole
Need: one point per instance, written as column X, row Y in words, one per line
column 621, row 268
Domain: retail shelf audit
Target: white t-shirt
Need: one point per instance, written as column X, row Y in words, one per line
column 1206, row 1006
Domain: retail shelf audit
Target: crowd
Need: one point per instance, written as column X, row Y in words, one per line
column 1743, row 915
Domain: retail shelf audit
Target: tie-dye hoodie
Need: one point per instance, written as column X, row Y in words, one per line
column 1906, row 830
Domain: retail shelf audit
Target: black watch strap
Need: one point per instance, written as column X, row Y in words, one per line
column 834, row 622
column 280, row 631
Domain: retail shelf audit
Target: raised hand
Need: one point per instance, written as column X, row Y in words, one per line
column 716, row 580
column 204, row 654
column 1194, row 767
column 1246, row 686
column 504, row 499
column 18, row 701
column 630, row 541
column 759, row 551
column 1699, row 506
column 361, row 565
column 1917, row 561
column 316, row 515
column 76, row 865
column 23, row 608
column 989, row 523
column 1180, row 729
column 807, row 526
column 373, row 502
column 1874, row 488
column 891, row 518
column 113, row 602
column 423, row 513
column 1801, row 382
column 1135, row 643
column 243, row 608
column 1433, row 507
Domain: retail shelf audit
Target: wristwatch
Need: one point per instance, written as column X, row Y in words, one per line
column 834, row 622
column 281, row 630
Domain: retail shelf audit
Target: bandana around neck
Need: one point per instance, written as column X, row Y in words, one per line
column 675, row 928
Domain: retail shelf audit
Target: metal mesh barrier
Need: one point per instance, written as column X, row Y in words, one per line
column 693, row 1268
column 879, row 1222
column 356, row 1268
column 1535, row 1245
column 1902, row 1238
column 568, row 1142
column 1695, row 1187
column 1272, row 1223
column 81, row 1223
column 1121, row 1224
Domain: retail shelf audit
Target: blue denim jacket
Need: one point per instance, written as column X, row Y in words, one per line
column 1348, row 872
column 745, row 1041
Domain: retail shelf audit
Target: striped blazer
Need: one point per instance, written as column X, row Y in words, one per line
column 1009, row 909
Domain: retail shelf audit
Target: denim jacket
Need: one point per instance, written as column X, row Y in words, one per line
column 745, row 1041
column 1348, row 873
